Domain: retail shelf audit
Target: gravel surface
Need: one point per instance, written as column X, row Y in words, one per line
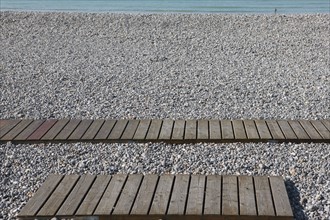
column 56, row 65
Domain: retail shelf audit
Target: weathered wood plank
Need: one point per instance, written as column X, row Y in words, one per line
column 162, row 195
column 80, row 130
column 263, row 196
column 229, row 195
column 311, row 131
column 93, row 196
column 76, row 196
column 142, row 130
column 93, row 129
column 247, row 203
column 178, row 130
column 16, row 130
column 326, row 124
column 203, row 130
column 275, row 130
column 251, row 130
column 191, row 130
column 118, row 130
column 130, row 130
column 42, row 130
column 29, row 130
column 263, row 130
column 287, row 130
column 239, row 130
column 127, row 196
column 323, row 131
column 179, row 195
column 58, row 196
column 51, row 134
column 166, row 131
column 196, row 195
column 41, row 196
column 7, row 125
column 111, row 195
column 299, row 130
column 280, row 197
column 144, row 197
column 154, row 129
column 213, row 195
column 227, row 131
column 215, row 130
column 68, row 129
column 105, row 130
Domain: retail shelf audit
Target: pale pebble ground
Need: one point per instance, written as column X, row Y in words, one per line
column 56, row 65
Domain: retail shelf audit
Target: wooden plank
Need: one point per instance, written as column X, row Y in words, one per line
column 213, row 195
column 263, row 196
column 326, row 124
column 251, row 130
column 68, row 129
column 80, row 130
column 130, row 130
column 93, row 129
column 94, row 195
column 142, row 130
column 179, row 195
column 280, row 197
column 76, row 196
column 215, row 131
column 287, row 130
column 196, row 195
column 247, row 203
column 43, row 129
column 263, row 130
column 127, row 196
column 166, row 131
column 7, row 125
column 226, row 129
column 58, row 196
column 154, row 129
column 144, row 197
column 118, row 130
column 311, row 131
column 51, row 134
column 239, row 130
column 41, row 196
column 191, row 130
column 275, row 130
column 29, row 130
column 229, row 195
column 162, row 195
column 299, row 130
column 323, row 131
column 178, row 130
column 111, row 195
column 202, row 129
column 105, row 130
column 16, row 130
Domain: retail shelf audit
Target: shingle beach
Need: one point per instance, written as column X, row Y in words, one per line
column 177, row 66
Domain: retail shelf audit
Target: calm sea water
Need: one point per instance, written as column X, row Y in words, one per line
column 179, row 6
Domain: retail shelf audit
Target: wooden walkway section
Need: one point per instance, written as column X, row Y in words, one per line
column 156, row 197
column 171, row 131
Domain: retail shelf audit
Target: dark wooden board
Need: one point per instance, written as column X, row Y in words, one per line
column 275, row 130
column 202, row 129
column 326, row 124
column 7, row 125
column 93, row 129
column 196, row 195
column 162, row 195
column 29, row 130
column 179, row 195
column 247, row 203
column 213, row 195
column 166, row 131
column 118, row 130
column 263, row 130
column 105, row 130
column 178, row 130
column 239, row 130
column 51, row 134
column 227, row 131
column 130, row 130
column 42, row 130
column 16, row 130
column 299, row 130
column 311, row 131
column 215, row 130
column 80, row 130
column 142, row 130
column 323, row 131
column 229, row 195
column 263, row 196
column 154, row 129
column 191, row 130
column 251, row 130
column 67, row 130
column 287, row 130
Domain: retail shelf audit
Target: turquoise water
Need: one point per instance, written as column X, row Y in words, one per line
column 179, row 6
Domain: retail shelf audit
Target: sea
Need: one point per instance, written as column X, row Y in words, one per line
column 171, row 6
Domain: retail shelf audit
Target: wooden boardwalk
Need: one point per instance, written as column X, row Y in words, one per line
column 160, row 197
column 171, row 131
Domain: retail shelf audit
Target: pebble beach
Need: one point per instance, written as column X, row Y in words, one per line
column 178, row 66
